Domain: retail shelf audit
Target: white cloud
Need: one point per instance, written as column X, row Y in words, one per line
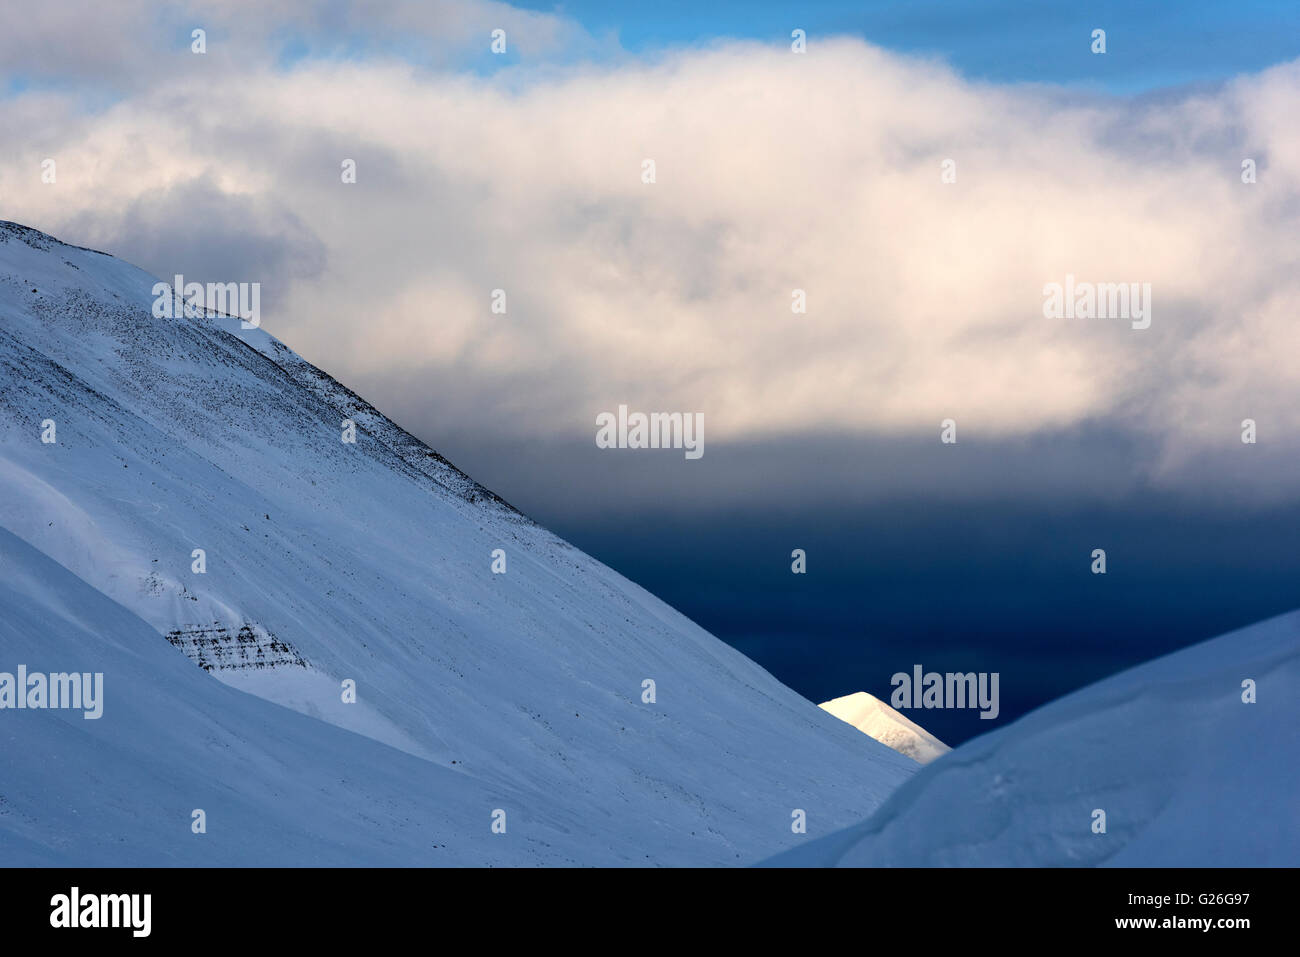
column 775, row 171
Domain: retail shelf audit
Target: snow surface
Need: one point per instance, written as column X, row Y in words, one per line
column 369, row 562
column 1185, row 771
column 873, row 717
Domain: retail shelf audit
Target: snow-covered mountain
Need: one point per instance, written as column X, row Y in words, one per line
column 1193, row 759
column 873, row 717
column 329, row 562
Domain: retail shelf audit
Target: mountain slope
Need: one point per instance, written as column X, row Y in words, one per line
column 873, row 717
column 1186, row 772
column 121, row 789
column 371, row 562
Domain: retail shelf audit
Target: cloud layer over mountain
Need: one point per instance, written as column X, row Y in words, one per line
column 774, row 172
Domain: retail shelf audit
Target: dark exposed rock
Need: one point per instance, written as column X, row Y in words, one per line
column 214, row 648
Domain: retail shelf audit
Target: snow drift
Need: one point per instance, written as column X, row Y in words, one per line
column 1186, row 770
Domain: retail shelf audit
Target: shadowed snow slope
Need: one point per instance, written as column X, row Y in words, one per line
column 872, row 716
column 1185, row 771
column 328, row 562
column 277, row 788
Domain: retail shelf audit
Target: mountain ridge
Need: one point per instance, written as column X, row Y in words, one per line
column 373, row 562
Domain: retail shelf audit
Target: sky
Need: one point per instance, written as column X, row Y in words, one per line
column 1011, row 41
column 920, row 174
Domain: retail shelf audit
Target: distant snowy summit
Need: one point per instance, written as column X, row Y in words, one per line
column 873, row 717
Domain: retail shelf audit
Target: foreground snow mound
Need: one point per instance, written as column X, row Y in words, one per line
column 1186, row 772
column 199, row 478
column 873, row 717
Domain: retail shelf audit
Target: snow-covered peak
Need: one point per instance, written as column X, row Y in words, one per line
column 873, row 717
